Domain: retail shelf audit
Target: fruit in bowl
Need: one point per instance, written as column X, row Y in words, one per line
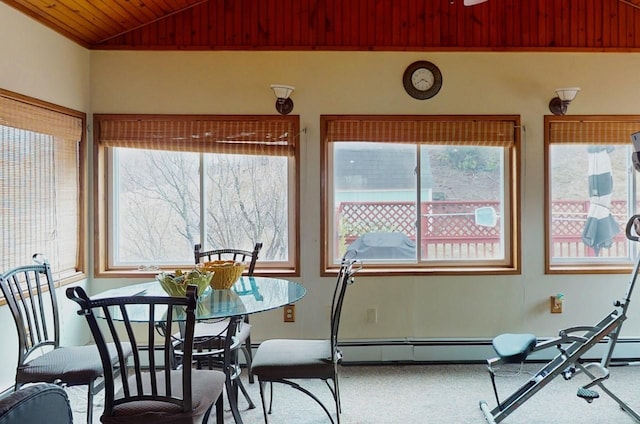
column 225, row 273
column 175, row 284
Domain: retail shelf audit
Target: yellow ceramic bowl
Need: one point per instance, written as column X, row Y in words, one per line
column 225, row 273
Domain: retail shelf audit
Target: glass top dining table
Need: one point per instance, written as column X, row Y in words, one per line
column 248, row 295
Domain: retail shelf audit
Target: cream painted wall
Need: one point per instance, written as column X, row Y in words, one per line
column 370, row 83
column 36, row 62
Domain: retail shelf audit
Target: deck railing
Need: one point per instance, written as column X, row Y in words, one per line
column 449, row 229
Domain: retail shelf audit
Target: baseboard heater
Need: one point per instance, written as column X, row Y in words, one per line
column 459, row 351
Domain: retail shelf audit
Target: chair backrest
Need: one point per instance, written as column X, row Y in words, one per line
column 237, row 255
column 348, row 267
column 38, row 403
column 118, row 319
column 31, row 296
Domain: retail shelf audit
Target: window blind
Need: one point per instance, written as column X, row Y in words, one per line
column 593, row 131
column 462, row 131
column 247, row 135
column 39, row 183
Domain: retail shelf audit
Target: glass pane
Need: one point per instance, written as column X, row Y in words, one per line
column 156, row 207
column 462, row 203
column 590, row 198
column 375, row 198
column 246, row 199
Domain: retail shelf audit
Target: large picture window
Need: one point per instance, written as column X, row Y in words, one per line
column 174, row 181
column 590, row 193
column 421, row 193
column 41, row 146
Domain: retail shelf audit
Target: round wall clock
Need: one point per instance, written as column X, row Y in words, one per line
column 422, row 80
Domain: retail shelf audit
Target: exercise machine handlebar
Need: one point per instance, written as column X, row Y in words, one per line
column 633, row 228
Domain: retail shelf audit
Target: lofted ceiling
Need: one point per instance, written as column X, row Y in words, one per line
column 407, row 25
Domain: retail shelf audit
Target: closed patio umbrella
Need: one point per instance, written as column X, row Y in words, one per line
column 600, row 227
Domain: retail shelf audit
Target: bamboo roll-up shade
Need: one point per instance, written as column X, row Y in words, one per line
column 271, row 136
column 67, row 198
column 24, row 116
column 485, row 132
column 600, row 132
column 39, row 184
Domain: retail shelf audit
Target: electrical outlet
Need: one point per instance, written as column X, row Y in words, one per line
column 372, row 316
column 555, row 304
column 289, row 313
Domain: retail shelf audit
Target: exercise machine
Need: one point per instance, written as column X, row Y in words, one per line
column 572, row 343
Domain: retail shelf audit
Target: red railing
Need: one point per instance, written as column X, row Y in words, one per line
column 449, row 230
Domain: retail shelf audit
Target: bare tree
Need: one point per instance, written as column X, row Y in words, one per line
column 246, row 203
column 161, row 204
column 245, row 198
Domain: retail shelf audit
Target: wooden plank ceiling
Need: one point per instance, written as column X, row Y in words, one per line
column 392, row 25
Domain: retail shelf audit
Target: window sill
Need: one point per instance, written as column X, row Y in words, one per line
column 381, row 271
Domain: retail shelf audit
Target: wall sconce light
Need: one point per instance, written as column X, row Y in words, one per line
column 558, row 105
column 284, row 105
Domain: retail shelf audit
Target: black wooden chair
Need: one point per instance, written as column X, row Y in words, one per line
column 31, row 296
column 287, row 360
column 205, row 330
column 212, row 348
column 159, row 393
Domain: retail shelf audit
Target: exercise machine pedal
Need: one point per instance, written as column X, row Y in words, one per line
column 587, row 394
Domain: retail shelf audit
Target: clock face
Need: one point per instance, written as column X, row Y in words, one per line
column 422, row 80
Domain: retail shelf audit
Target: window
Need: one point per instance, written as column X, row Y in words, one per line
column 167, row 182
column 421, row 194
column 590, row 193
column 41, row 146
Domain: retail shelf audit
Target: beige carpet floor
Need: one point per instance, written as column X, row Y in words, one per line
column 434, row 394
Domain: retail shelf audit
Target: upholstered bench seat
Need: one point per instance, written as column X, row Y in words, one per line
column 514, row 348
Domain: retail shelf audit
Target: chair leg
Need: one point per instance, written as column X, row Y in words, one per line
column 264, row 403
column 336, row 395
column 90, row 403
column 245, row 393
column 248, row 356
column 271, row 396
column 232, row 391
column 220, row 409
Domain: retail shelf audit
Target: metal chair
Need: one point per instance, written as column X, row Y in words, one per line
column 31, row 296
column 160, row 393
column 218, row 329
column 212, row 348
column 286, row 360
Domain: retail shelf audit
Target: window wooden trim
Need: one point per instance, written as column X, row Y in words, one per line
column 495, row 130
column 566, row 129
column 270, row 135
